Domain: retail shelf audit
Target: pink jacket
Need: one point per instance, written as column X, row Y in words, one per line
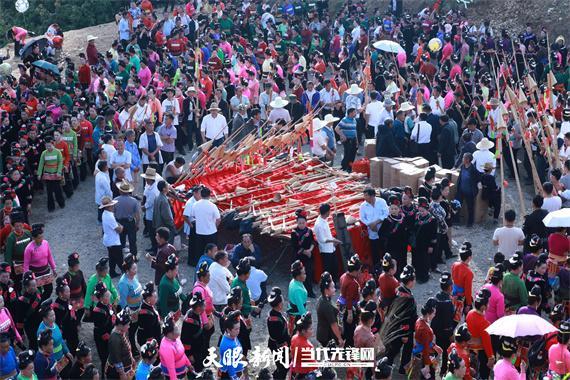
column 7, row 323
column 38, row 256
column 496, row 307
column 559, row 359
column 173, row 361
column 505, row 370
column 207, row 295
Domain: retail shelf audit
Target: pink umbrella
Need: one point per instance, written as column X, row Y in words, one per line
column 519, row 325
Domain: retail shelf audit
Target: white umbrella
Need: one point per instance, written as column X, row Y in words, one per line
column 519, row 325
column 558, row 218
column 388, row 46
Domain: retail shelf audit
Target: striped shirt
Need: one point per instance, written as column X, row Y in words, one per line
column 348, row 126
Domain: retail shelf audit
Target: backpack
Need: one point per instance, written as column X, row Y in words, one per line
column 537, row 354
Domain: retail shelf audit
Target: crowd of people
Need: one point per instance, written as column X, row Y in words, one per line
column 204, row 70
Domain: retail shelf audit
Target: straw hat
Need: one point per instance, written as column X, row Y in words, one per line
column 318, row 124
column 214, row 107
column 406, row 106
column 126, row 187
column 107, row 202
column 329, row 118
column 488, row 166
column 91, row 37
column 494, row 102
column 354, row 89
column 485, row 144
column 191, row 89
column 149, row 174
column 279, row 102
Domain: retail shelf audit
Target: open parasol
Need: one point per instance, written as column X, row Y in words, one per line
column 45, row 65
column 519, row 325
column 388, row 46
column 558, row 218
column 42, row 42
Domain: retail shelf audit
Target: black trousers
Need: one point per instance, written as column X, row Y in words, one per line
column 130, row 232
column 102, row 349
column 202, row 240
column 350, row 149
column 444, row 245
column 394, row 348
column 193, row 254
column 348, row 328
column 495, row 202
column 376, row 254
column 370, row 132
column 115, row 257
column 181, row 137
column 482, row 368
column 420, row 261
column 443, row 341
column 469, row 199
column 54, row 190
column 447, row 160
column 426, row 152
column 151, row 234
column 217, row 142
column 68, row 186
column 330, row 263
column 192, row 130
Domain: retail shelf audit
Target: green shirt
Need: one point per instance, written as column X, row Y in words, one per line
column 246, row 304
column 514, row 290
column 94, row 280
column 136, row 62
column 16, row 245
column 226, row 24
column 50, row 162
column 71, row 139
column 169, row 295
column 297, row 298
column 22, row 377
column 451, row 376
column 66, row 100
column 122, row 78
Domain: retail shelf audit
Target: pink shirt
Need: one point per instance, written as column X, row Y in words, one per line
column 7, row 323
column 496, row 307
column 446, row 51
column 559, row 359
column 20, row 34
column 455, row 70
column 38, row 256
column 145, row 76
column 173, row 361
column 207, row 296
column 505, row 370
column 401, row 57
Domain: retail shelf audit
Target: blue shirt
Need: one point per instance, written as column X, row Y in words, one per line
column 151, row 142
column 348, row 126
column 132, row 148
column 465, row 181
column 331, row 139
column 143, row 370
column 168, row 26
column 59, row 345
column 202, row 258
column 8, row 362
column 231, row 354
column 129, row 288
column 44, row 366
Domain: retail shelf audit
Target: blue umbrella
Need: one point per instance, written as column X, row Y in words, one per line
column 45, row 65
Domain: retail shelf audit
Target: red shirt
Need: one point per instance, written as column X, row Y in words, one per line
column 558, row 245
column 424, row 336
column 207, row 85
column 476, row 323
column 84, row 74
column 349, row 289
column 62, row 146
column 388, row 285
column 462, row 276
column 177, row 46
column 85, row 133
column 91, row 53
column 298, row 342
column 463, row 354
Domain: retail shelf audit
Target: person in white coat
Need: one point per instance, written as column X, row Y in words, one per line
column 149, row 144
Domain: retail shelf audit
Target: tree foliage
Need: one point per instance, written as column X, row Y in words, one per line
column 69, row 14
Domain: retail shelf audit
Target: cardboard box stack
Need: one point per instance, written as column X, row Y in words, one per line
column 370, row 148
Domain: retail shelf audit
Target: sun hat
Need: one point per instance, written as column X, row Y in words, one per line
column 214, row 107
column 329, row 118
column 485, row 144
column 318, row 124
column 107, row 202
column 354, row 89
column 406, row 106
column 150, row 173
column 91, row 37
column 279, row 102
column 126, row 187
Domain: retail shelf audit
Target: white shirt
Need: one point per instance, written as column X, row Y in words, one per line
column 142, row 113
column 322, row 233
column 564, row 152
column 437, row 105
column 143, row 144
column 279, row 113
column 205, row 213
column 256, row 277
column 264, row 101
column 481, row 157
column 552, row 203
column 214, row 128
column 109, row 149
column 220, row 278
column 102, row 186
column 385, row 114
column 319, row 140
column 150, row 193
column 495, row 115
column 421, row 133
column 188, row 212
column 508, row 238
column 369, row 214
column 110, row 236
column 172, row 106
column 373, row 110
column 328, row 97
column 125, row 158
column 564, row 128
